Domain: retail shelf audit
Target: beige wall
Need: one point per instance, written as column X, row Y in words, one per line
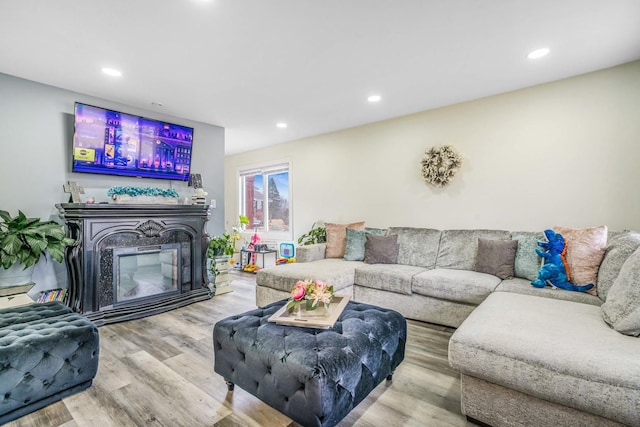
column 563, row 153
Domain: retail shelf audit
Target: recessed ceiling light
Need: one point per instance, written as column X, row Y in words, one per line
column 281, row 125
column 538, row 53
column 374, row 98
column 111, row 72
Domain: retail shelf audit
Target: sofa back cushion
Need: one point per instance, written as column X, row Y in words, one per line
column 417, row 246
column 458, row 248
column 621, row 310
column 619, row 248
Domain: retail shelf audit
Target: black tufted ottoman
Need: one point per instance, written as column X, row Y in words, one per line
column 46, row 353
column 314, row 376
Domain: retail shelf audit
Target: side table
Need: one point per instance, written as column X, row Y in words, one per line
column 245, row 256
column 223, row 279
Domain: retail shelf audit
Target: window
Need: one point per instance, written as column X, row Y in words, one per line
column 264, row 198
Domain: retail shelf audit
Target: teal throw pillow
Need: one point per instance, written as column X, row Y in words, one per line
column 354, row 250
column 527, row 261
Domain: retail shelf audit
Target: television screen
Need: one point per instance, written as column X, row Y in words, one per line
column 115, row 143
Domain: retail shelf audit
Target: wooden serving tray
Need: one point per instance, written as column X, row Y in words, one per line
column 312, row 319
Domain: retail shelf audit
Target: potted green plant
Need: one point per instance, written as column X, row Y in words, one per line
column 23, row 240
column 220, row 246
column 313, row 236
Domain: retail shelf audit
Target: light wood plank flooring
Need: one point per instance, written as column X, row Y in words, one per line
column 158, row 371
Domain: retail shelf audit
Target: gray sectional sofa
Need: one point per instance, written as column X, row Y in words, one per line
column 527, row 356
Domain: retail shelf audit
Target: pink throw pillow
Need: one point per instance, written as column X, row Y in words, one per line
column 337, row 238
column 585, row 251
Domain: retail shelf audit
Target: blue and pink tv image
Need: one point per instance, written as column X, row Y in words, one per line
column 115, row 143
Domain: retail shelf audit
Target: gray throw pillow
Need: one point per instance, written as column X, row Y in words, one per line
column 619, row 249
column 496, row 257
column 621, row 310
column 527, row 262
column 354, row 250
column 381, row 249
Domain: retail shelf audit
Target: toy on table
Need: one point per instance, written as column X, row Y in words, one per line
column 287, row 254
column 555, row 269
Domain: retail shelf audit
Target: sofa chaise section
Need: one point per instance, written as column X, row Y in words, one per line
column 275, row 283
column 546, row 361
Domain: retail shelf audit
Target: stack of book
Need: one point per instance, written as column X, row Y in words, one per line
column 52, row 295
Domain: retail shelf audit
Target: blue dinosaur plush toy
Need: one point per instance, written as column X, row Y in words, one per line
column 555, row 269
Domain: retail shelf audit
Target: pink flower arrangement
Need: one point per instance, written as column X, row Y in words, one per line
column 311, row 292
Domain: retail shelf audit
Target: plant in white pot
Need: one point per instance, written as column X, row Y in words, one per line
column 220, row 248
column 23, row 241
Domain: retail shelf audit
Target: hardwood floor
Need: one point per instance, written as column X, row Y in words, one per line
column 158, row 371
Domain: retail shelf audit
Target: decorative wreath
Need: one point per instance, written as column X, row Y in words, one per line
column 440, row 164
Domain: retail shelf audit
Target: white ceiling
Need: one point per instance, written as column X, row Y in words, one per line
column 248, row 64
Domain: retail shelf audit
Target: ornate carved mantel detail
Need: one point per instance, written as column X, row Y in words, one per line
column 102, row 230
column 150, row 228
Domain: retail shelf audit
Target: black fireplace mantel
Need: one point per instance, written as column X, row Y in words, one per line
column 100, row 230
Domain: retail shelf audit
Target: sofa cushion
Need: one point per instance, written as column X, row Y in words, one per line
column 527, row 261
column 464, row 286
column 417, row 246
column 381, row 249
column 336, row 272
column 559, row 351
column 523, row 286
column 356, row 239
column 337, row 237
column 387, row 277
column 619, row 247
column 458, row 248
column 585, row 250
column 621, row 310
column 496, row 257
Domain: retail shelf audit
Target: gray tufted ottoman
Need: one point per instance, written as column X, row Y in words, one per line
column 46, row 353
column 314, row 376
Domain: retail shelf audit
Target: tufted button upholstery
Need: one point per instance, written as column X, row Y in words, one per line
column 29, row 313
column 46, row 353
column 314, row 376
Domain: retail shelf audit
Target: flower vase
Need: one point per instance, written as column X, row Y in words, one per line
column 296, row 311
column 327, row 308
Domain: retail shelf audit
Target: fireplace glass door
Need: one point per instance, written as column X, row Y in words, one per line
column 145, row 272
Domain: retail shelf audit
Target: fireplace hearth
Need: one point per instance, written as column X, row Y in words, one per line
column 132, row 261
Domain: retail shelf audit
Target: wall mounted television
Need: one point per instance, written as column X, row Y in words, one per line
column 114, row 143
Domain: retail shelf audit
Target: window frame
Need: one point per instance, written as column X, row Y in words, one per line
column 265, row 170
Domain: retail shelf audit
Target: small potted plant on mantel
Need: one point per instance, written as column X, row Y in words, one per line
column 23, row 241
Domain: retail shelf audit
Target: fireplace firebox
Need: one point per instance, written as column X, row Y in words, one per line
column 142, row 272
column 132, row 261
